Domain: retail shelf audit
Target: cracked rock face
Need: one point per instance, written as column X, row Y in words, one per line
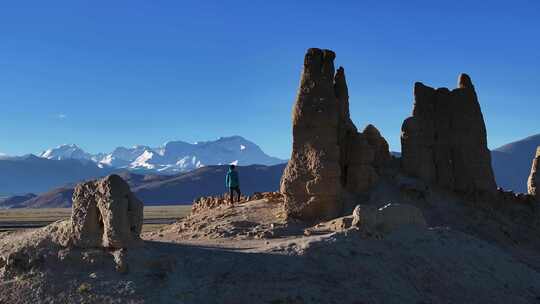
column 533, row 184
column 329, row 156
column 444, row 142
column 106, row 214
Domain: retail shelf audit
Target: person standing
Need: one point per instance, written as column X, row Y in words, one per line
column 232, row 181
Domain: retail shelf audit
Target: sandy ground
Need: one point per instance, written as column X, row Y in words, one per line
column 249, row 253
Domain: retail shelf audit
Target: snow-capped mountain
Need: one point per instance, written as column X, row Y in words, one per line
column 66, row 152
column 173, row 156
column 122, row 157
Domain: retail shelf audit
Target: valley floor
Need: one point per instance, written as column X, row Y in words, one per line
column 24, row 218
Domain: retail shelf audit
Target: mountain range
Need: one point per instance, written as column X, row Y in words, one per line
column 69, row 164
column 512, row 163
column 61, row 168
column 171, row 158
column 33, row 174
column 177, row 189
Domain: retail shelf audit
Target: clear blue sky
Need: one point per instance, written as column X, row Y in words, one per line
column 107, row 73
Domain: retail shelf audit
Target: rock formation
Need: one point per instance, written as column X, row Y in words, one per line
column 329, row 156
column 533, row 184
column 106, row 214
column 390, row 217
column 444, row 141
column 212, row 202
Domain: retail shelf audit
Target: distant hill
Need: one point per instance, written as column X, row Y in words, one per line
column 210, row 180
column 32, row 174
column 16, row 201
column 58, row 197
column 512, row 163
column 169, row 190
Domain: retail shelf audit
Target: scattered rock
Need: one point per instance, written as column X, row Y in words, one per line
column 106, row 214
column 120, row 258
column 84, row 287
column 444, row 141
column 211, row 202
column 357, row 217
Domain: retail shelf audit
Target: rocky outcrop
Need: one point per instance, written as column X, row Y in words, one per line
column 533, row 184
column 212, row 202
column 329, row 156
column 106, row 214
column 444, row 142
column 377, row 222
column 372, row 222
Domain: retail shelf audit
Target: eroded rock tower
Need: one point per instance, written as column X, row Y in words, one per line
column 444, row 142
column 329, row 157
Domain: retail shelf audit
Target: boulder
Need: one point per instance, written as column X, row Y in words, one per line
column 105, row 213
column 533, row 184
column 377, row 222
column 329, row 156
column 444, row 142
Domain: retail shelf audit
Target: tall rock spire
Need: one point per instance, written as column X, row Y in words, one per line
column 465, row 82
column 329, row 156
column 445, row 141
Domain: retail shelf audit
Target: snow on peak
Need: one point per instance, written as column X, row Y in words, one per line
column 173, row 156
column 71, row 151
column 142, row 161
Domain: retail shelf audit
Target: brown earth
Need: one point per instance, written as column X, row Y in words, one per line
column 250, row 253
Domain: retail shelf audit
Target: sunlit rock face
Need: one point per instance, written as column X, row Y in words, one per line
column 106, row 214
column 329, row 156
column 533, row 184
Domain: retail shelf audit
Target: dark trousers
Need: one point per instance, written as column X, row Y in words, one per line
column 232, row 190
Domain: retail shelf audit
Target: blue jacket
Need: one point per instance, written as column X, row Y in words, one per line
column 232, row 180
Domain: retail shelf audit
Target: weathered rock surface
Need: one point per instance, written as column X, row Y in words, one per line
column 260, row 218
column 205, row 203
column 533, row 184
column 444, row 141
column 374, row 222
column 469, row 255
column 329, row 156
column 106, row 214
column 388, row 218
